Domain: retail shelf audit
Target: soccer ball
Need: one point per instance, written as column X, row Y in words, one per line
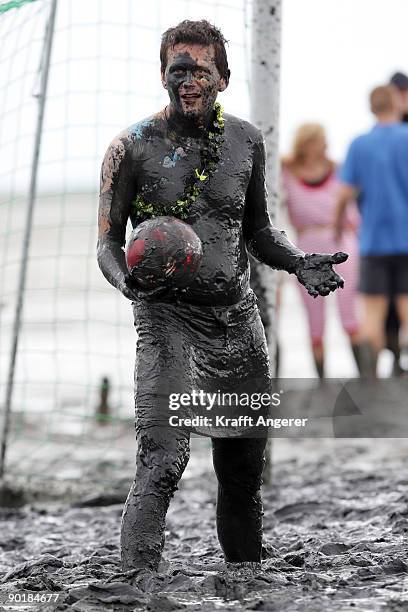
column 163, row 251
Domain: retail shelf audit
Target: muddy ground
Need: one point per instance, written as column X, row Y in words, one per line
column 336, row 525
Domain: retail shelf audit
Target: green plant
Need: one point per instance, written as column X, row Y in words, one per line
column 209, row 156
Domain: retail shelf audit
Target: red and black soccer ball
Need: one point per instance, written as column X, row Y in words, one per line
column 163, row 251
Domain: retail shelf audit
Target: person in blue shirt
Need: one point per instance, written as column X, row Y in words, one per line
column 375, row 172
column 399, row 82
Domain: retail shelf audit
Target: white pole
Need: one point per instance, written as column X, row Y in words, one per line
column 42, row 96
column 265, row 80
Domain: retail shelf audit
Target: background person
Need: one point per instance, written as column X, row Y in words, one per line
column 375, row 170
column 399, row 81
column 310, row 189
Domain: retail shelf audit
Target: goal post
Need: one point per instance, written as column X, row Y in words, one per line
column 265, row 90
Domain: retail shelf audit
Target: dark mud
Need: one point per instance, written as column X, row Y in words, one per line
column 336, row 524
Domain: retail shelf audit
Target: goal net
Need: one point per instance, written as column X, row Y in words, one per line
column 76, row 337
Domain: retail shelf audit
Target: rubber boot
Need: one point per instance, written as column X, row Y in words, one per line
column 392, row 344
column 367, row 358
column 319, row 367
column 356, row 354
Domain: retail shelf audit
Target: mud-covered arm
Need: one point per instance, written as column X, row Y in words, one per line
column 265, row 242
column 273, row 248
column 117, row 190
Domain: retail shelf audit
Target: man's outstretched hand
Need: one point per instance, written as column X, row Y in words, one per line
column 315, row 272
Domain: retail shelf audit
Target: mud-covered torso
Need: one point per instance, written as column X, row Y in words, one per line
column 163, row 159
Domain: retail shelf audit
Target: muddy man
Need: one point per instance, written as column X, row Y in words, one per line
column 208, row 336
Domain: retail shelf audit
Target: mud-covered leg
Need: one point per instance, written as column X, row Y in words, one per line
column 238, row 464
column 161, row 459
column 162, row 367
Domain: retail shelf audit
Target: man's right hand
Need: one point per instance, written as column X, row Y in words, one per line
column 133, row 291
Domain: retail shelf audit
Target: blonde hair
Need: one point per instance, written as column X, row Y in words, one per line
column 305, row 134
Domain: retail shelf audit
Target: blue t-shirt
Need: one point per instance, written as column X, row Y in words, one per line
column 377, row 165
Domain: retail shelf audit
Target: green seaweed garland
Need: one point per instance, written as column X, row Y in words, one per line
column 209, row 156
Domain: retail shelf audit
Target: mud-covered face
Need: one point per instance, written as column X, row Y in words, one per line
column 192, row 79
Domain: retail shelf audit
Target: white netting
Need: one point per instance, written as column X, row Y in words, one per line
column 104, row 76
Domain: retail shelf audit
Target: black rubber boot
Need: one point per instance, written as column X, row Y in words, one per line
column 319, row 367
column 356, row 354
column 392, row 343
column 367, row 360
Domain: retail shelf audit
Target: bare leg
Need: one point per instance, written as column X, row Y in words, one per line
column 355, row 341
column 402, row 309
column 372, row 331
column 374, row 313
